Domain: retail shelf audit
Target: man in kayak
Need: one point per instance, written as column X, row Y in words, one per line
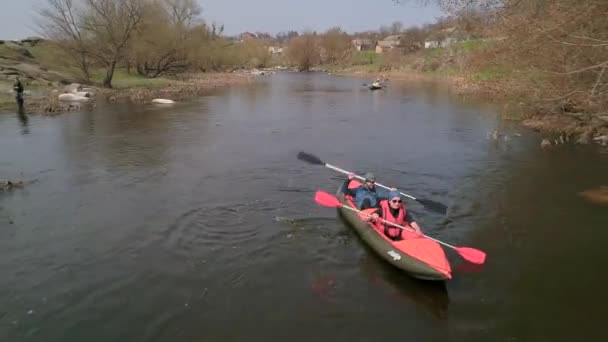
column 393, row 210
column 366, row 195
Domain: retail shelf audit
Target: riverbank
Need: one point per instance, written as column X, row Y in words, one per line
column 46, row 72
column 188, row 86
column 575, row 127
column 45, row 100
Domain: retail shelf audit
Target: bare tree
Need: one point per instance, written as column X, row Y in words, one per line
column 396, row 27
column 111, row 23
column 61, row 23
column 304, row 51
column 164, row 37
column 557, row 48
column 336, row 45
column 183, row 13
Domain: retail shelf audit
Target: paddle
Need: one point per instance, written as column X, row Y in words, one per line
column 470, row 254
column 432, row 205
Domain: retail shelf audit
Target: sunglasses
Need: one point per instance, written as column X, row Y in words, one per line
column 396, row 201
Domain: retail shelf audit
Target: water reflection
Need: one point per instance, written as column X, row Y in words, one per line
column 139, row 193
column 24, row 120
column 432, row 297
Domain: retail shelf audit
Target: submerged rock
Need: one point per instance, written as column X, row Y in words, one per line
column 545, row 143
column 602, row 139
column 72, row 88
column 596, row 196
column 6, row 184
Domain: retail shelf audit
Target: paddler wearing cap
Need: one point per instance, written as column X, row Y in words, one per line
column 367, row 195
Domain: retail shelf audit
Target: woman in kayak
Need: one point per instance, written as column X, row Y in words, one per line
column 366, row 195
column 393, row 210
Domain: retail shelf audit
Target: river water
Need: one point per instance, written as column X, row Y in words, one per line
column 196, row 222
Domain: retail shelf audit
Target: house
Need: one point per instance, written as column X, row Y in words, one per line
column 431, row 44
column 247, row 36
column 445, row 42
column 264, row 36
column 388, row 43
column 275, row 50
column 444, row 38
column 363, row 44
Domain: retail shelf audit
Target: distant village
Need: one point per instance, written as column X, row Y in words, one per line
column 393, row 42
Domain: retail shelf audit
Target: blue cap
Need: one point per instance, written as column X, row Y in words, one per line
column 393, row 194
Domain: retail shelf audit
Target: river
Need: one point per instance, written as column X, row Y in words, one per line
column 196, row 222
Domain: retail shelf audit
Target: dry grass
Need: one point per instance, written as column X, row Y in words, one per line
column 190, row 86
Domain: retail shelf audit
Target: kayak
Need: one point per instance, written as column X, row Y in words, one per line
column 419, row 257
column 375, row 86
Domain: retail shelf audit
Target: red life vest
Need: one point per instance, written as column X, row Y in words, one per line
column 390, row 231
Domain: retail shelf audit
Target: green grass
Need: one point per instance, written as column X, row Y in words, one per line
column 443, row 73
column 485, row 76
column 366, row 58
column 7, row 101
column 52, row 58
column 7, row 52
column 123, row 80
column 434, row 52
column 470, row 45
column 459, row 47
column 494, row 73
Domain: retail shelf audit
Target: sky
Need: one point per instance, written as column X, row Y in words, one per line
column 272, row 16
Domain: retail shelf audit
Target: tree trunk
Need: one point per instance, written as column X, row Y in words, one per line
column 140, row 69
column 84, row 67
column 107, row 82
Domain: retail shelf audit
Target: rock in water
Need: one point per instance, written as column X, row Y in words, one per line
column 72, row 98
column 83, row 93
column 163, row 101
column 545, row 143
column 597, row 196
column 72, row 88
column 602, row 139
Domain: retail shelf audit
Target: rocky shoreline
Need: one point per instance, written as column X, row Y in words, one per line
column 190, row 86
column 53, row 101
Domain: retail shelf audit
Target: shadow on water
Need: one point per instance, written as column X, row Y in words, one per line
column 24, row 120
column 431, row 296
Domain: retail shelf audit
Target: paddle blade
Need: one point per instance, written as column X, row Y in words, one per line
column 309, row 158
column 432, row 205
column 472, row 255
column 327, row 200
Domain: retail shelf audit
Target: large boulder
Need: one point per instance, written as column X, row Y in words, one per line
column 162, row 101
column 13, row 50
column 72, row 88
column 31, row 72
column 32, row 41
column 72, row 98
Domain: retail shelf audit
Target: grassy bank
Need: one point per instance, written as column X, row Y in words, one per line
column 141, row 90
